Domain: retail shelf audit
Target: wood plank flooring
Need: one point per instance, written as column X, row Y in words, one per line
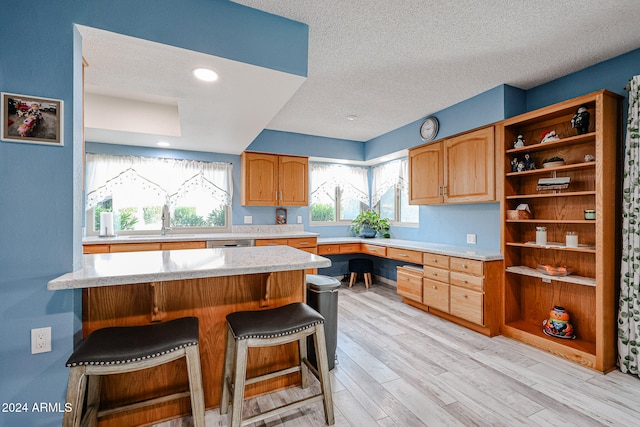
column 399, row 366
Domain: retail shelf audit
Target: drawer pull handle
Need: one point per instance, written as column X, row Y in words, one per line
column 434, row 260
column 402, row 255
column 464, row 281
column 464, row 296
column 304, row 243
column 464, row 265
column 434, row 287
column 435, row 274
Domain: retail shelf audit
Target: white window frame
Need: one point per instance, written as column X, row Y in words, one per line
column 401, row 166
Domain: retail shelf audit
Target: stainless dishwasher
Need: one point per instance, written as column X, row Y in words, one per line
column 229, row 243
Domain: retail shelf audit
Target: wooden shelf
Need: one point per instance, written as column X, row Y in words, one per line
column 555, row 246
column 542, row 171
column 552, row 221
column 572, row 140
column 543, row 195
column 532, row 333
column 532, row 272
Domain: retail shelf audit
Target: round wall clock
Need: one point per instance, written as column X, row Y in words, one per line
column 429, row 129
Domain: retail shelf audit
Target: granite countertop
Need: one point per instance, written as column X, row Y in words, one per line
column 94, row 240
column 437, row 248
column 155, row 266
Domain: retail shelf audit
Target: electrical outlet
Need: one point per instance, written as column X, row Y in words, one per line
column 248, row 219
column 471, row 239
column 41, row 340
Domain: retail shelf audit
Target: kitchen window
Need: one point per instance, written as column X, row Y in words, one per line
column 390, row 193
column 338, row 192
column 135, row 189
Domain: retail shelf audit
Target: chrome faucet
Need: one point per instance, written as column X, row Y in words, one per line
column 166, row 220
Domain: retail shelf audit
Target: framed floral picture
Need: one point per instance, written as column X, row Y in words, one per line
column 31, row 119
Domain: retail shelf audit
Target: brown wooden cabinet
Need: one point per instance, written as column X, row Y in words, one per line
column 588, row 293
column 274, row 180
column 460, row 169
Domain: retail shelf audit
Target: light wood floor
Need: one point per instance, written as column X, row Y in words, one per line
column 399, row 366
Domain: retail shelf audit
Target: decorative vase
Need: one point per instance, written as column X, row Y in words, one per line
column 367, row 232
column 557, row 325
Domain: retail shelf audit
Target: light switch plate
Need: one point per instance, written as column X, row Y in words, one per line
column 299, row 219
column 471, row 239
column 248, row 219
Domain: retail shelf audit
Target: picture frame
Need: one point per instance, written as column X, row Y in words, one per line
column 31, row 119
column 281, row 216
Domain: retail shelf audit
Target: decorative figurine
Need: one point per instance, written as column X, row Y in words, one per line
column 557, row 325
column 580, row 120
column 519, row 143
column 521, row 166
column 514, row 164
column 529, row 164
column 589, row 158
column 548, row 136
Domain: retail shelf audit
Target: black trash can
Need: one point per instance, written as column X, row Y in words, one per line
column 322, row 295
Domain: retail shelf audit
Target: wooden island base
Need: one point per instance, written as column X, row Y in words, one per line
column 209, row 299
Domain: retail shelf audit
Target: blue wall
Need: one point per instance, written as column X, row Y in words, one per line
column 40, row 192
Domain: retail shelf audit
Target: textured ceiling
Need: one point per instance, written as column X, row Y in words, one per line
column 394, row 62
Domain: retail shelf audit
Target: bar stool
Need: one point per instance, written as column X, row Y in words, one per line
column 116, row 350
column 360, row 265
column 265, row 328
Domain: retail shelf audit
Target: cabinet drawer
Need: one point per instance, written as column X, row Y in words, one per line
column 373, row 249
column 467, row 304
column 182, row 245
column 135, row 247
column 270, row 242
column 302, row 242
column 435, row 260
column 468, row 281
column 405, row 255
column 95, row 249
column 328, row 249
column 439, row 274
column 349, row 248
column 409, row 284
column 310, row 250
column 436, row 295
column 463, row 265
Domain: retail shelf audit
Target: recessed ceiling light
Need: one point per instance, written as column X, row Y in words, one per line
column 205, row 74
column 163, row 144
column 352, row 117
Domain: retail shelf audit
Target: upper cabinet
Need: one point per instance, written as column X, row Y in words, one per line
column 459, row 169
column 274, row 180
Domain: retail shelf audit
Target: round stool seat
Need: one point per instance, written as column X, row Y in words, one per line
column 274, row 322
column 360, row 265
column 126, row 344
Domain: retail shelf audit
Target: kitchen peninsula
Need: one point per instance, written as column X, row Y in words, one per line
column 135, row 288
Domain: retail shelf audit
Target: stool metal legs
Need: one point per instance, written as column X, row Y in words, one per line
column 234, row 377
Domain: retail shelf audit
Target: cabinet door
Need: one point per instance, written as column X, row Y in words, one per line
column 467, row 304
column 426, row 177
column 259, row 179
column 436, row 295
column 293, row 181
column 469, row 167
column 409, row 284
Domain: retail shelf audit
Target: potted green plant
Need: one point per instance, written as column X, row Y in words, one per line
column 368, row 223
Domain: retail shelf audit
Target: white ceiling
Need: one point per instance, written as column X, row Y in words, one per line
column 389, row 63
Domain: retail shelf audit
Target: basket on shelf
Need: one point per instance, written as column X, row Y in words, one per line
column 518, row 214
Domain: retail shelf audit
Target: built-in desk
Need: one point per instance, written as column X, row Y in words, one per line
column 136, row 288
column 458, row 283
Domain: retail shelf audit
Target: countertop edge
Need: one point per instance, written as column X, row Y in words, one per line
column 437, row 248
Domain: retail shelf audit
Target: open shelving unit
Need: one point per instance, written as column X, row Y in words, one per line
column 589, row 292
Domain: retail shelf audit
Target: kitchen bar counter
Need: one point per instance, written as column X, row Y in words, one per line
column 157, row 266
column 139, row 288
column 451, row 250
